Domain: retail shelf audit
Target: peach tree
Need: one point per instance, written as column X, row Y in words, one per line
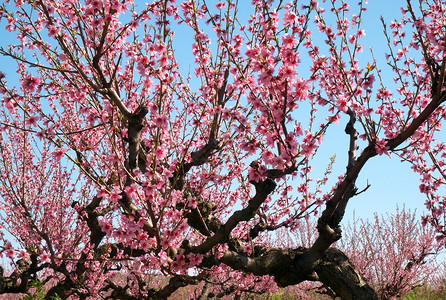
column 130, row 153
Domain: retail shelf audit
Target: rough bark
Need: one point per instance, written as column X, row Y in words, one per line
column 336, row 271
column 291, row 267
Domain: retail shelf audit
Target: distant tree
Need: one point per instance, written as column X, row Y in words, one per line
column 395, row 252
column 118, row 166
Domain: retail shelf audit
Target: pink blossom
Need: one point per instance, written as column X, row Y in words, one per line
column 161, row 121
column 288, row 41
column 10, row 104
column 107, row 227
column 195, row 259
column 29, row 83
column 119, row 234
column 252, row 53
column 32, row 120
column 308, row 149
column 53, row 31
column 254, row 175
column 131, row 192
column 10, row 253
column 115, row 196
column 290, row 18
column 352, row 39
column 381, row 147
column 161, row 152
column 59, row 153
column 342, row 104
column 220, row 5
column 192, row 202
column 24, row 254
column 44, row 257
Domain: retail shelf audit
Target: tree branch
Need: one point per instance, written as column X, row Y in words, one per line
column 198, row 157
column 263, row 189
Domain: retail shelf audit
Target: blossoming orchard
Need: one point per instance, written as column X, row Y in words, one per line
column 130, row 172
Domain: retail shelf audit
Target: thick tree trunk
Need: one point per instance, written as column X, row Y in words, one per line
column 293, row 266
column 337, row 272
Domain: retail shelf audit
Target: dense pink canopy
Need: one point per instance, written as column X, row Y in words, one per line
column 118, row 164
